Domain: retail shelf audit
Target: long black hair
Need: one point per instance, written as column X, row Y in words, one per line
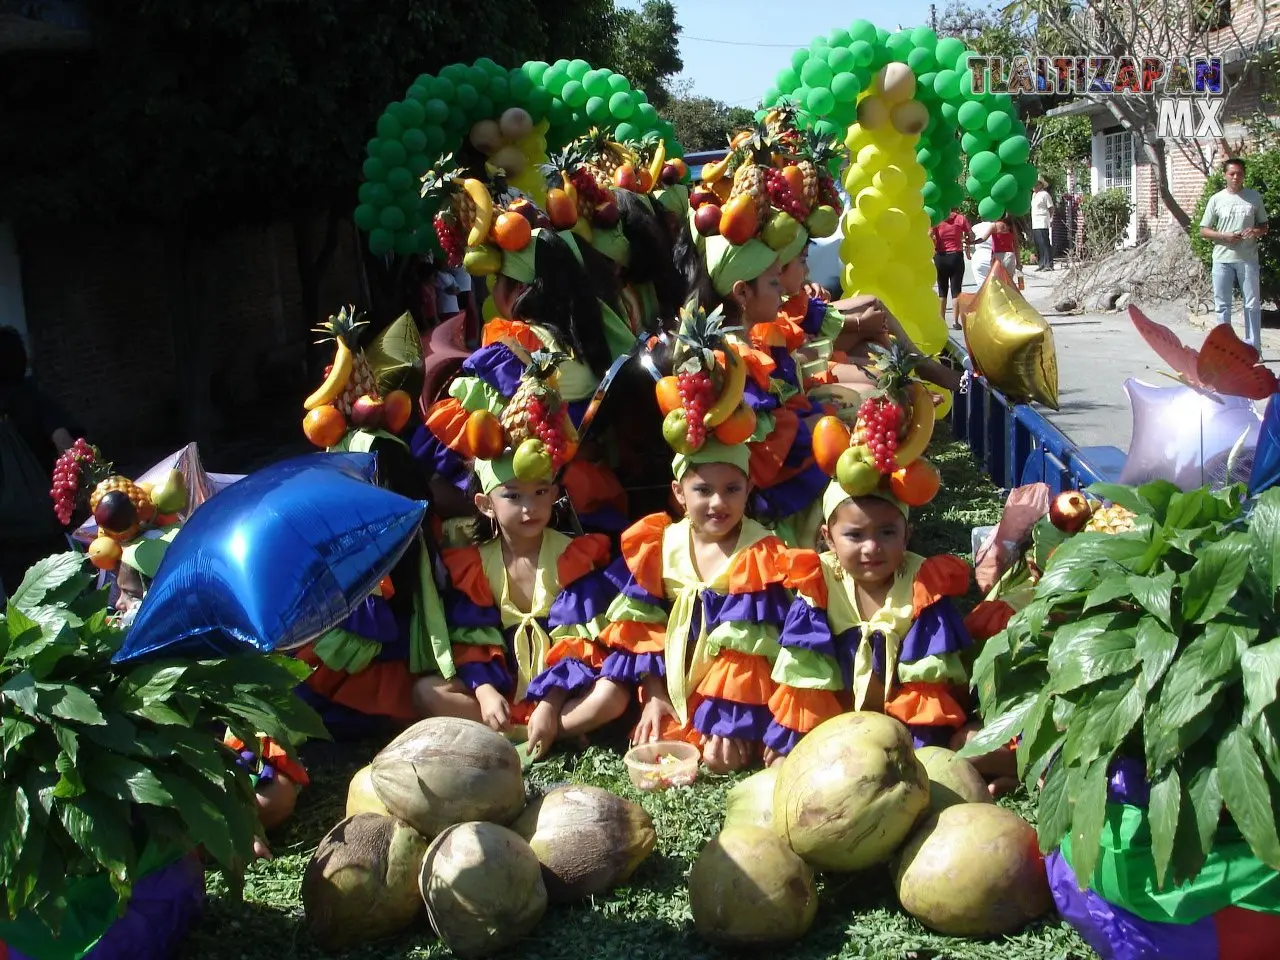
column 652, row 252
column 562, row 299
column 603, row 276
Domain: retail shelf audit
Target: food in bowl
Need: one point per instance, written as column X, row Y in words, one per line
column 663, row 764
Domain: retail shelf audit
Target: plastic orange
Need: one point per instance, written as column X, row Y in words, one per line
column 917, row 483
column 325, row 425
column 645, row 179
column 397, row 409
column 739, row 427
column 830, row 439
column 105, row 553
column 485, row 438
column 512, row 231
column 668, row 389
column 680, row 165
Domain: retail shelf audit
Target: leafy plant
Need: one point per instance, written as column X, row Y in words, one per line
column 1106, row 219
column 99, row 761
column 1161, row 644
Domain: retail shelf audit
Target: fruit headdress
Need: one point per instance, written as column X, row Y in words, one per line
column 705, row 395
column 883, row 453
column 371, row 387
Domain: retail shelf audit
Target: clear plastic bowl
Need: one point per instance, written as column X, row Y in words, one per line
column 666, row 763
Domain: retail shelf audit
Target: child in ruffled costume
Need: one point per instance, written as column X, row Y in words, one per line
column 525, row 612
column 695, row 626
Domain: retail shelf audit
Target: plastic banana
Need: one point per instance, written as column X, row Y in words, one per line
column 712, row 172
column 923, row 417
column 735, row 382
column 335, row 382
column 479, row 194
column 658, row 161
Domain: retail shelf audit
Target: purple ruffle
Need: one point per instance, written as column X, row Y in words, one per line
column 461, row 611
column 807, row 627
column 1117, row 934
column 444, row 463
column 607, row 520
column 492, row 672
column 583, row 600
column 937, row 630
column 372, row 619
column 497, row 366
column 1128, row 783
column 927, row 736
column 784, row 366
column 724, row 718
column 619, row 574
column 578, row 410
column 570, row 675
column 760, row 606
column 631, row 668
column 781, row 739
column 814, row 314
column 792, row 495
column 758, row 398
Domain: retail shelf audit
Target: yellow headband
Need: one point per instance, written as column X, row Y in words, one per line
column 713, row 451
column 835, row 497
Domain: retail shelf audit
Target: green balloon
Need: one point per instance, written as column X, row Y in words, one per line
column 555, row 78
column 466, row 96
column 499, row 91
column 436, row 111
column 926, row 157
column 863, row 52
column 924, row 88
column 392, row 218
column 380, row 195
column 400, row 179
column 596, row 83
column 924, row 37
column 418, row 93
column 946, row 84
column 948, row 50
column 841, row 60
column 816, row 73
column 577, row 69
column 484, row 107
column 838, row 37
column 845, row 87
column 990, row 209
column 999, row 125
column 366, row 192
column 900, row 46
column 535, row 70
column 966, row 83
column 975, row 188
column 1004, row 189
column 419, row 163
column 931, row 193
column 380, row 242
column 619, row 84
column 819, row 48
column 597, row 109
column 647, row 113
column 862, row 30
column 435, row 141
column 985, row 166
column 389, row 128
column 574, row 94
column 826, row 129
column 948, row 112
column 519, row 86
column 402, row 243
column 1026, row 175
column 626, row 131
column 444, row 89
column 415, row 140
column 411, row 113
column 770, row 97
column 799, row 58
column 1015, row 150
column 456, row 72
column 366, row 217
column 393, row 153
column 972, row 143
column 538, row 102
column 478, row 78
column 1020, row 205
column 490, row 67
column 457, row 119
column 921, row 60
column 934, row 216
column 787, row 79
column 820, row 101
column 559, row 113
column 620, row 106
column 972, row 116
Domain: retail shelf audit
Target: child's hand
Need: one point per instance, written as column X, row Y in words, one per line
column 494, row 707
column 772, row 756
column 817, row 291
column 725, row 754
column 544, row 727
column 656, row 711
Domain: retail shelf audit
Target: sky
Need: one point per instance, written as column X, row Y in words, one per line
column 732, row 49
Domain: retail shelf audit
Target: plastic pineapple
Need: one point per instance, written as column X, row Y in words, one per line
column 814, row 162
column 604, row 156
column 536, row 409
column 579, row 179
column 1113, row 519
column 751, row 175
column 344, row 326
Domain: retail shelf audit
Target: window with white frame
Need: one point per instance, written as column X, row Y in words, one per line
column 1117, row 160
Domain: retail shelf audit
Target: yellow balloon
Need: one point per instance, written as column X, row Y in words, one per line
column 896, row 83
column 916, row 176
column 920, row 222
column 868, row 255
column 855, row 222
column 891, row 180
column 873, row 113
column 893, row 224
column 857, row 179
column 1011, row 344
column 890, row 141
column 943, row 408
column 871, row 203
column 872, row 157
column 857, row 138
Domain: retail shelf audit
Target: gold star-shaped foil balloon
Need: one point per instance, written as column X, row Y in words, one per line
column 1010, row 343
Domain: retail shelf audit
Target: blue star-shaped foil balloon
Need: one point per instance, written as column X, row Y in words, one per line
column 1266, row 458
column 274, row 560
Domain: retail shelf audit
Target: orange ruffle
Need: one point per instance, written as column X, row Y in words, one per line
column 941, row 576
column 801, row 710
column 521, row 712
column 926, row 705
column 758, row 566
column 738, row 677
column 987, row 619
column 794, row 308
column 581, row 556
column 632, row 636
column 466, row 573
column 383, row 689
column 820, row 380
column 476, row 653
column 642, row 549
column 517, row 330
column 768, row 455
column 591, row 486
column 760, row 365
column 784, row 332
column 447, row 421
column 804, row 575
column 274, row 754
column 576, row 648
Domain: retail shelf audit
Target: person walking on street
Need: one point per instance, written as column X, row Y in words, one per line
column 950, row 239
column 1234, row 219
column 1041, row 224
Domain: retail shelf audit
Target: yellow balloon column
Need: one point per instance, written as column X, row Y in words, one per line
column 887, row 251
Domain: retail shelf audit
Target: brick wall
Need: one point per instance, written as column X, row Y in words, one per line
column 98, row 303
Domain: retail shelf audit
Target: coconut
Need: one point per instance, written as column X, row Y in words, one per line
column 750, row 803
column 362, row 882
column 443, row 771
column 587, row 840
column 973, row 870
column 748, row 888
column 952, row 779
column 483, row 888
column 850, row 792
column 361, row 797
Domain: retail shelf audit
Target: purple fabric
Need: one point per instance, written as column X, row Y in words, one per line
column 761, row 606
column 781, row 739
column 372, row 619
column 1117, row 934
column 444, row 463
column 497, row 366
column 461, row 611
column 619, row 574
column 346, row 724
column 784, row 366
column 758, row 398
column 937, row 630
column 607, row 519
column 814, row 314
column 1128, row 783
column 578, row 410
column 631, row 668
column 925, row 736
column 583, row 600
column 802, row 446
column 492, row 672
column 724, row 718
column 793, row 495
column 807, row 627
column 569, row 675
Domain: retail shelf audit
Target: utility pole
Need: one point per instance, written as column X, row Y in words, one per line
column 933, row 17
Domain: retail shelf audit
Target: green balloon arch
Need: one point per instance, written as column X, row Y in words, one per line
column 562, row 100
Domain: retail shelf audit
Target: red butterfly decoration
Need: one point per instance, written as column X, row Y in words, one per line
column 1225, row 363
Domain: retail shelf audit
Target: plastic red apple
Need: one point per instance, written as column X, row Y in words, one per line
column 706, row 219
column 368, row 412
column 1070, row 511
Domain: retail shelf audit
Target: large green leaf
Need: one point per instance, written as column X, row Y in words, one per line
column 23, row 878
column 998, row 731
column 15, row 818
column 1081, row 635
column 22, row 634
column 12, row 732
column 1264, row 539
column 147, row 684
column 205, row 819
column 1105, row 592
column 1053, row 811
column 70, row 703
column 1162, row 814
column 1205, row 797
column 123, row 778
column 1260, row 667
column 64, row 643
column 1109, row 654
column 1208, row 587
column 1127, row 497
column 1264, row 729
column 1155, row 648
column 1155, row 594
column 1192, row 686
column 1038, row 732
column 1247, row 795
column 21, row 692
column 101, row 828
column 1193, row 509
column 46, row 576
column 1103, row 720
column 1087, row 818
column 1158, row 494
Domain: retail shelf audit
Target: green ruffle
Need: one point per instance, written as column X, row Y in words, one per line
column 476, row 637
column 343, row 650
column 626, row 608
column 428, row 630
column 832, row 323
column 764, row 426
column 947, row 668
column 753, row 639
column 474, row 394
column 590, row 630
column 807, row 670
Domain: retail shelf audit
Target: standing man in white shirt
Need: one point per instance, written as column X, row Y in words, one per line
column 1234, row 219
column 1041, row 221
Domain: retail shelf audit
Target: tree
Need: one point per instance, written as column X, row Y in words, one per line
column 703, row 123
column 1144, row 28
column 647, row 48
column 987, row 31
column 1059, row 144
